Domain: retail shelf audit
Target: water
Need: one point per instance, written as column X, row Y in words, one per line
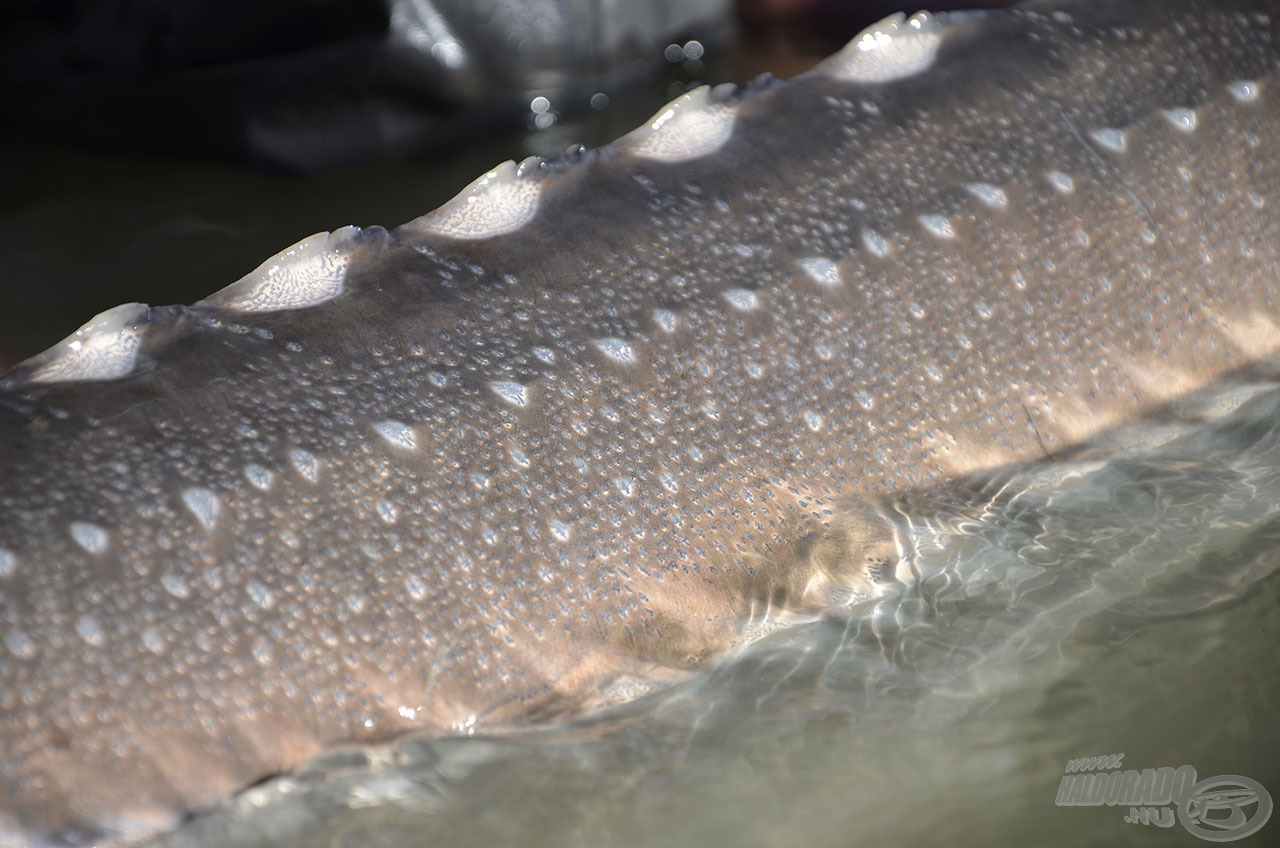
column 1122, row 601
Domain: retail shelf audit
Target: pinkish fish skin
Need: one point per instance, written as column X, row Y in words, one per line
column 585, row 425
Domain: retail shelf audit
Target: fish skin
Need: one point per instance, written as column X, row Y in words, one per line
column 170, row 632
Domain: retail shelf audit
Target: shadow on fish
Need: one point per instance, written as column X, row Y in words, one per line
column 603, row 417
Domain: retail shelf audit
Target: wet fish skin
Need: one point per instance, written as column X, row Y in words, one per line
column 478, row 480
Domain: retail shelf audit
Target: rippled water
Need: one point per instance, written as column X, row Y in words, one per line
column 1122, row 601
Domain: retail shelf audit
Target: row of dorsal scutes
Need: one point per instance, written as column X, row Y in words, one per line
column 509, row 196
column 501, row 201
column 694, row 125
column 109, row 345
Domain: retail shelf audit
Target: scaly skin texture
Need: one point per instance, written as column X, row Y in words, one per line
column 495, row 475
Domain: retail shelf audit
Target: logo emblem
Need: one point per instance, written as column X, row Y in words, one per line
column 1225, row 808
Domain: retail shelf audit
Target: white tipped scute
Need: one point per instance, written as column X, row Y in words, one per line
column 106, row 348
column 821, row 270
column 499, row 202
column 619, row 350
column 744, row 300
column 1244, row 91
column 305, row 463
column 510, row 391
column 875, row 243
column 203, row 504
column 311, row 272
column 1183, row 120
column 896, row 48
column 990, row 195
column 1061, row 182
column 665, row 319
column 1109, row 138
column 258, row 476
column 689, row 127
column 91, row 537
column 938, row 226
column 397, row 434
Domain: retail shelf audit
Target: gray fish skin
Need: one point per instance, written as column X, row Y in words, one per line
column 495, row 477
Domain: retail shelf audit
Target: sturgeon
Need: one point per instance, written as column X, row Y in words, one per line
column 602, row 416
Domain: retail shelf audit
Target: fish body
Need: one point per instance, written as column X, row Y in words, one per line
column 599, row 416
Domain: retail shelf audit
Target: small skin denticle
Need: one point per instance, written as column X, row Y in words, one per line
column 511, row 392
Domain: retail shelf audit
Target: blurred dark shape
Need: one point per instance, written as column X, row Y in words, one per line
column 313, row 84
column 788, row 36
